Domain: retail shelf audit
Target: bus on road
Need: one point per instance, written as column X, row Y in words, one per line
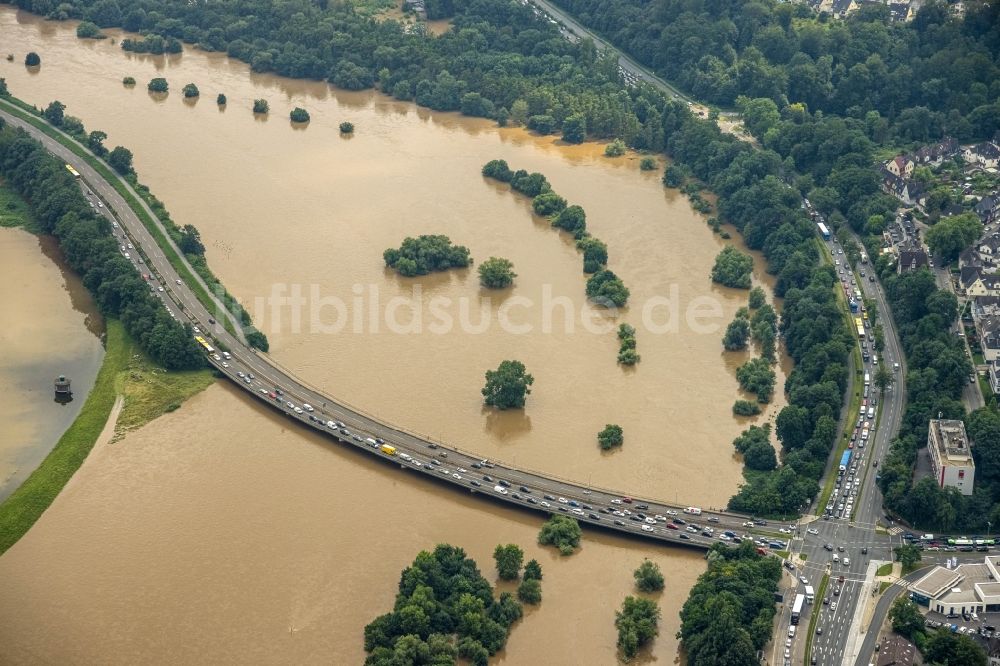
column 824, row 232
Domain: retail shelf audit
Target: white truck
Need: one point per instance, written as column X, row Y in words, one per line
column 810, row 594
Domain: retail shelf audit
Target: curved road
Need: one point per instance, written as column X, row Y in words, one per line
column 264, row 379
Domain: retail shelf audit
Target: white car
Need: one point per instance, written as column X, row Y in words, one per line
column 647, row 528
column 784, row 530
column 500, row 489
column 578, row 512
column 177, row 281
column 650, row 521
column 812, row 530
column 298, row 410
column 308, row 407
column 804, row 580
column 240, row 375
column 616, row 501
column 216, row 357
column 161, row 289
column 671, row 512
column 660, row 517
column 457, row 476
column 545, row 504
column 224, row 364
column 562, row 500
column 291, row 405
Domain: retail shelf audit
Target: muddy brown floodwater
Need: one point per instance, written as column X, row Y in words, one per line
column 246, row 539
column 221, row 533
column 51, row 327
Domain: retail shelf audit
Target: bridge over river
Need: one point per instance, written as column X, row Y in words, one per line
column 415, row 455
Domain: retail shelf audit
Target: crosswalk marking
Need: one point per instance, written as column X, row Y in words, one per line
column 895, row 530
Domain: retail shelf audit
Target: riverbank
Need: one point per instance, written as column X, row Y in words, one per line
column 148, row 392
column 20, row 511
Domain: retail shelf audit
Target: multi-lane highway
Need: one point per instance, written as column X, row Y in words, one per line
column 414, row 454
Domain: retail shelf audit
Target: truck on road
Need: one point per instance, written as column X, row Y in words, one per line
column 693, row 510
column 388, row 450
column 810, row 594
column 797, row 607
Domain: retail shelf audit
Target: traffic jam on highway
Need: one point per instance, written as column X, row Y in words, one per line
column 848, row 485
column 599, row 507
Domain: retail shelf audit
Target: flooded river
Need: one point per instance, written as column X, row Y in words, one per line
column 264, row 544
column 51, row 327
column 223, row 534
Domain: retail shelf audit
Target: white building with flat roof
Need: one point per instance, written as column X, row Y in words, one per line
column 969, row 588
column 951, row 455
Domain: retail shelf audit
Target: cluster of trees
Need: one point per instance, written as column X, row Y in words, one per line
column 562, row 532
column 508, row 386
column 261, row 106
column 444, row 609
column 732, row 268
column 154, row 44
column 496, row 273
column 935, row 74
column 299, row 115
column 88, row 30
column 754, row 444
column 938, row 647
column 424, row 254
column 610, row 437
column 603, row 286
column 757, row 376
column 738, row 332
column 637, row 623
column 191, row 90
column 727, row 617
column 746, row 408
column 346, row 128
column 937, row 370
column 648, row 577
column 951, row 235
column 627, row 355
column 91, row 250
column 509, row 559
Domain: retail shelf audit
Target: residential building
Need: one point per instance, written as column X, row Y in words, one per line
column 909, row 192
column 988, row 208
column 986, row 155
column 979, row 283
column 988, row 330
column 900, row 166
column 938, row 152
column 911, row 257
column 950, row 454
column 993, row 374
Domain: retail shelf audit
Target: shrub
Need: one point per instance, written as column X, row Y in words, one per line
column 261, row 106
column 616, row 148
column 346, row 128
column 610, row 437
column 158, row 85
column 299, row 115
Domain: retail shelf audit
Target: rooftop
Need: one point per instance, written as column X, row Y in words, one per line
column 937, row 581
column 952, row 444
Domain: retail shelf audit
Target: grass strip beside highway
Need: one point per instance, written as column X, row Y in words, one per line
column 854, row 405
column 884, row 570
column 26, row 113
column 20, row 511
column 814, row 616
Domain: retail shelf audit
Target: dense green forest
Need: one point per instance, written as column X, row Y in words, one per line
column 86, row 241
column 932, row 70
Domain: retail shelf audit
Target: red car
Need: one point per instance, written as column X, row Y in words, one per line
column 627, row 500
column 671, row 526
